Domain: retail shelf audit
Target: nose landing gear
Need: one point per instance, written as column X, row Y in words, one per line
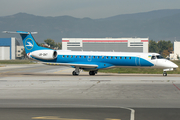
column 164, row 73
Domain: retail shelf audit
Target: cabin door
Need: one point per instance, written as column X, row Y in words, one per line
column 137, row 60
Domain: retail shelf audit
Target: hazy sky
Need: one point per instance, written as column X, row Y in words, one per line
column 84, row 8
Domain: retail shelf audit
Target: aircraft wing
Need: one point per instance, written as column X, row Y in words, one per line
column 73, row 64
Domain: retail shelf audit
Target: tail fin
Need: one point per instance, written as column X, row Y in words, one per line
column 29, row 43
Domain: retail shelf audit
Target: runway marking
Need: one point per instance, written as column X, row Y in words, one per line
column 111, row 119
column 56, row 118
column 176, row 86
column 132, row 116
column 63, row 70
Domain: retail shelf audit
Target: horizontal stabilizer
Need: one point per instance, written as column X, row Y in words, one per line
column 19, row 32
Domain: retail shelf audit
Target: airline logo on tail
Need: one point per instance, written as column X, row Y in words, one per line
column 29, row 43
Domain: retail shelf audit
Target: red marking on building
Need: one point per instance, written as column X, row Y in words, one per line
column 104, row 40
column 144, row 40
column 65, row 40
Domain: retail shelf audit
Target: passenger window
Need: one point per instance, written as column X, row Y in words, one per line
column 79, row 56
column 111, row 57
column 75, row 56
column 124, row 57
column 63, row 56
column 71, row 56
column 84, row 56
column 153, row 57
column 98, row 57
column 107, row 57
column 102, row 57
column 93, row 56
column 67, row 56
column 120, row 57
column 129, row 57
column 115, row 57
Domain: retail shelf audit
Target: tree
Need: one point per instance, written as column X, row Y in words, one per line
column 153, row 46
column 53, row 44
column 165, row 53
column 162, row 47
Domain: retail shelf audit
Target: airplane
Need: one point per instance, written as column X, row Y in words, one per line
column 92, row 61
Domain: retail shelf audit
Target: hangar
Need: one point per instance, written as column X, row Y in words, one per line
column 8, row 48
column 106, row 44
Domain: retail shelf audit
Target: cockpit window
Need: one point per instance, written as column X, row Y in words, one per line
column 153, row 57
column 159, row 57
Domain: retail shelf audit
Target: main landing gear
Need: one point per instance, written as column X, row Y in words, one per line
column 164, row 73
column 92, row 72
column 77, row 71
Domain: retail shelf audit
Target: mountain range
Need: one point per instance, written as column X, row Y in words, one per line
column 157, row 25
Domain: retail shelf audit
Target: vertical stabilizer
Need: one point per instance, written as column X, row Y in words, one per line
column 29, row 43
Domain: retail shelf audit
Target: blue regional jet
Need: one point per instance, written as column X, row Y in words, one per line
column 92, row 61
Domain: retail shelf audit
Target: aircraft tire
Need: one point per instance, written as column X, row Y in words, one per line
column 164, row 74
column 74, row 73
column 92, row 72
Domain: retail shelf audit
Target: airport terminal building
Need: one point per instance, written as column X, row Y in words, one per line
column 8, row 48
column 106, row 44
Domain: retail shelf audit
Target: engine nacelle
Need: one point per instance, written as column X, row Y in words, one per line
column 44, row 54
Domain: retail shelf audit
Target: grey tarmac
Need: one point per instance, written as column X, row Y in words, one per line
column 37, row 87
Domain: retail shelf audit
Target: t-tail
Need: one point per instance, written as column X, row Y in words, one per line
column 33, row 50
column 29, row 43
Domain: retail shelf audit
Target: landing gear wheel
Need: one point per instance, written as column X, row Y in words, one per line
column 74, row 73
column 92, row 72
column 164, row 74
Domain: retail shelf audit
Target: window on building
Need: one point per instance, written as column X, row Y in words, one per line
column 19, row 51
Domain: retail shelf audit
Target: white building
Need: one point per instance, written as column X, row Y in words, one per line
column 176, row 54
column 106, row 44
column 19, row 50
column 8, row 48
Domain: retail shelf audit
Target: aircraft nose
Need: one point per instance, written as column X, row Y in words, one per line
column 170, row 64
column 175, row 66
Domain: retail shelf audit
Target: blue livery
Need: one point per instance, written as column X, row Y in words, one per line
column 92, row 61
